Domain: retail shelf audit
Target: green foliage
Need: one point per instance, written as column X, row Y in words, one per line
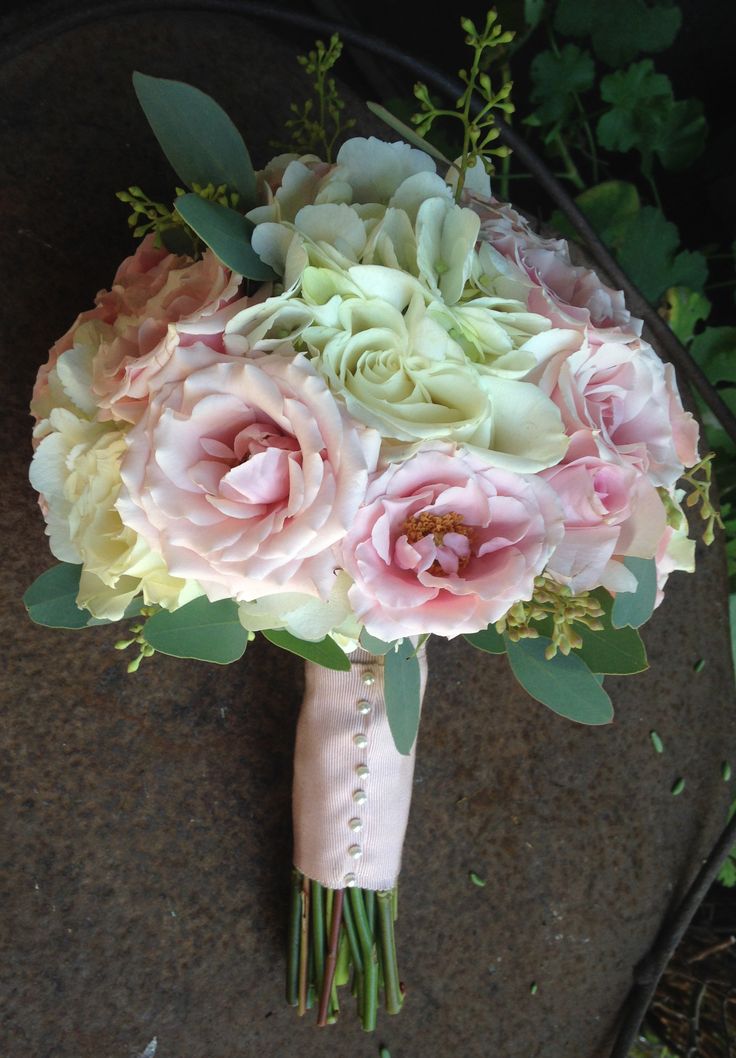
column 226, row 232
column 727, row 874
column 318, row 123
column 203, row 630
column 647, row 251
column 715, row 351
column 479, row 131
column 608, row 206
column 633, row 608
column 52, row 598
column 490, row 640
column 196, row 135
column 375, row 646
column 564, row 684
column 408, row 134
column 402, row 690
column 166, row 223
column 556, row 78
column 645, row 116
column 684, row 309
column 611, row 650
column 619, row 31
column 325, row 652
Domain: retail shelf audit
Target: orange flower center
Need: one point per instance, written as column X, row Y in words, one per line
column 436, row 525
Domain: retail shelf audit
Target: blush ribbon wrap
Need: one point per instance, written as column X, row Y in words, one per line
column 352, row 787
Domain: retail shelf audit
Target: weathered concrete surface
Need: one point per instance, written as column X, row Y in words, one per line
column 146, row 819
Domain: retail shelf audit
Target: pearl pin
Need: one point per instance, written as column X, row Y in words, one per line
column 369, row 679
column 362, row 771
column 364, row 707
column 360, row 797
column 361, row 741
column 355, row 851
column 349, row 880
column 355, row 824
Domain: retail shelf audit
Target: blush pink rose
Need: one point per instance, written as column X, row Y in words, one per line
column 244, row 473
column 612, row 510
column 628, row 397
column 569, row 295
column 179, row 302
column 445, row 543
column 152, row 289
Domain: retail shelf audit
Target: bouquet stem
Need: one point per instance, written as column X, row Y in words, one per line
column 340, row 937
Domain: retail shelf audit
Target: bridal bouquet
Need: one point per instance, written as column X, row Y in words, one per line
column 349, row 405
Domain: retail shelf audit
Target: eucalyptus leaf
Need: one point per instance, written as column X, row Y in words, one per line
column 613, row 651
column 564, row 684
column 489, row 640
column 402, row 690
column 196, row 135
column 375, row 646
column 52, row 598
column 326, row 652
column 633, row 608
column 226, row 233
column 203, row 630
column 407, row 132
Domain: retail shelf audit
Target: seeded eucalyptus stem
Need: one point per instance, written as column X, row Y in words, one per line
column 337, row 938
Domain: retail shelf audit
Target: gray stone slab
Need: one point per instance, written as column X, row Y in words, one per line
column 145, row 864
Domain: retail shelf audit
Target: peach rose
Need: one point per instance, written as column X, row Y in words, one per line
column 445, row 543
column 247, row 472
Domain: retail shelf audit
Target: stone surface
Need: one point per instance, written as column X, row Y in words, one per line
column 145, row 860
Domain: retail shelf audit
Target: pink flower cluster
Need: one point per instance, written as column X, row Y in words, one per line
column 248, row 475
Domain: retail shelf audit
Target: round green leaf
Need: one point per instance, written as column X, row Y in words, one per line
column 226, row 233
column 196, row 135
column 52, row 598
column 564, row 684
column 203, row 630
column 326, row 652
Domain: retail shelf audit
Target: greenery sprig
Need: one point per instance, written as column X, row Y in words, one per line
column 137, row 638
column 556, row 605
column 699, row 478
column 318, row 123
column 169, row 227
column 479, row 130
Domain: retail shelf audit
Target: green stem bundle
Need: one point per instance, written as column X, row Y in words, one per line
column 341, row 937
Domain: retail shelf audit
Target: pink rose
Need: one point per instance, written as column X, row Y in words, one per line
column 611, row 509
column 244, row 473
column 445, row 543
column 567, row 294
column 629, row 399
column 151, row 290
column 196, row 296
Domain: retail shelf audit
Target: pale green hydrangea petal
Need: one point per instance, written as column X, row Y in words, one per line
column 375, row 169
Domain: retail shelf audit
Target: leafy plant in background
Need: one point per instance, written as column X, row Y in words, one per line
column 600, row 103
